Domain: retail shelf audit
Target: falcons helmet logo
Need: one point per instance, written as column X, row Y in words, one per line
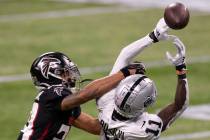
column 46, row 64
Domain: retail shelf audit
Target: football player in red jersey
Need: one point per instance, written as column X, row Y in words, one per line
column 56, row 107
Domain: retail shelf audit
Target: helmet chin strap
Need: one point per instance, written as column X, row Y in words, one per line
column 129, row 116
column 117, row 116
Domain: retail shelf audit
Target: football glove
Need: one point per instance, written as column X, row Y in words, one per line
column 179, row 58
column 160, row 31
column 138, row 66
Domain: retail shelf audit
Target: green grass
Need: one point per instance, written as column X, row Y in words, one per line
column 93, row 41
column 17, row 98
column 81, row 37
column 9, row 7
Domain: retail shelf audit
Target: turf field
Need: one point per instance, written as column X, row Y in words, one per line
column 93, row 40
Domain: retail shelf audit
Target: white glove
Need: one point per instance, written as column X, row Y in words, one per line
column 160, row 31
column 179, row 58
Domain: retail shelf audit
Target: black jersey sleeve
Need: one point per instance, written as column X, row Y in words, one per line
column 52, row 98
column 76, row 112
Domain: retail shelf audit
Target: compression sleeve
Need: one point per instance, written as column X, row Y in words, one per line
column 129, row 52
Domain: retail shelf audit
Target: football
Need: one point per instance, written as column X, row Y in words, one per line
column 176, row 16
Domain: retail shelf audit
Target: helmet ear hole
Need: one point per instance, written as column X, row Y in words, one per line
column 149, row 101
column 59, row 72
column 136, row 92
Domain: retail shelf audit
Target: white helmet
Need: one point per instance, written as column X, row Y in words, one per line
column 134, row 94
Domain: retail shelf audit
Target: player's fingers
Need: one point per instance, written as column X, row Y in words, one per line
column 171, row 37
column 161, row 21
column 180, row 46
column 169, row 56
column 164, row 29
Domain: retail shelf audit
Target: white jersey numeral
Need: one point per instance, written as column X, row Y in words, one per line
column 62, row 133
column 152, row 130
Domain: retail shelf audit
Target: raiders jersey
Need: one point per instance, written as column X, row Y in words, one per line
column 145, row 127
column 47, row 121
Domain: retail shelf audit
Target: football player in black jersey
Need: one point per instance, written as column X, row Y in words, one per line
column 56, row 107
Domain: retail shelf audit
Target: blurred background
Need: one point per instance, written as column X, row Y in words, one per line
column 92, row 33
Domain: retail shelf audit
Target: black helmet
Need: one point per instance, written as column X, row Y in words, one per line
column 54, row 68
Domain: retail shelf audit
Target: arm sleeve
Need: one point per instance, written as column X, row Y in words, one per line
column 53, row 102
column 53, row 97
column 76, row 112
column 126, row 55
column 129, row 52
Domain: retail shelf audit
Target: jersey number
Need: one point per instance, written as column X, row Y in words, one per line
column 155, row 132
column 63, row 131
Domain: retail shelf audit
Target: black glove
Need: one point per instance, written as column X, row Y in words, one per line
column 139, row 66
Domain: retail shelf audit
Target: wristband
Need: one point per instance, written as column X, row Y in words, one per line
column 125, row 72
column 153, row 37
column 181, row 71
column 182, row 76
column 181, row 67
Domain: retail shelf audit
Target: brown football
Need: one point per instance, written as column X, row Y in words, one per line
column 176, row 16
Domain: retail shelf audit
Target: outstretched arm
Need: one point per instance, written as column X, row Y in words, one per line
column 129, row 52
column 171, row 112
column 96, row 88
